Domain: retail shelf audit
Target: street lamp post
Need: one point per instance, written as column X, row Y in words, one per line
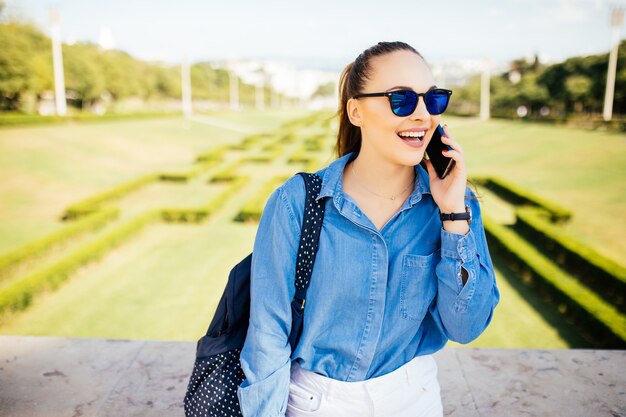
column 617, row 18
column 274, row 101
column 57, row 64
column 234, row 89
column 185, row 75
column 485, row 79
column 260, row 90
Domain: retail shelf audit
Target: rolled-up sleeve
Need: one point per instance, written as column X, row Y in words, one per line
column 265, row 357
column 465, row 310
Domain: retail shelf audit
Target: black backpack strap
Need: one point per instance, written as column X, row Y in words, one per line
column 307, row 251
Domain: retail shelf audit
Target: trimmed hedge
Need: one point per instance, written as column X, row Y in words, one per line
column 605, row 276
column 215, row 154
column 252, row 210
column 273, row 146
column 215, row 203
column 249, row 141
column 200, row 168
column 19, row 294
column 191, row 215
column 264, row 158
column 519, row 196
column 289, row 137
column 258, row 159
column 315, row 143
column 11, row 261
column 237, row 147
column 599, row 322
column 227, row 174
column 174, row 177
column 300, row 157
column 90, row 204
column 199, row 214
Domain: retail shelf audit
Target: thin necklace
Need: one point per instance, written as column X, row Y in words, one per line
column 393, row 197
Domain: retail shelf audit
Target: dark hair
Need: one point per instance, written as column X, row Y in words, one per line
column 351, row 83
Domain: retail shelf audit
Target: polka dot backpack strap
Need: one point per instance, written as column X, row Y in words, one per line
column 309, row 241
column 212, row 388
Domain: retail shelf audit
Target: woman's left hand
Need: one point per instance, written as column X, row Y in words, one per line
column 449, row 193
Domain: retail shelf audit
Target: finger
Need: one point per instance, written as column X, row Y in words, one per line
column 446, row 130
column 449, row 141
column 458, row 158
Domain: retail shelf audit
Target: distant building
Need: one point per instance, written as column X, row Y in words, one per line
column 284, row 78
column 106, row 40
column 301, row 83
column 458, row 72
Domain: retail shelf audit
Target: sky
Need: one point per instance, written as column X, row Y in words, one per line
column 329, row 34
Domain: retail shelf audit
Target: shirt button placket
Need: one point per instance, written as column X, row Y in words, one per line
column 376, row 305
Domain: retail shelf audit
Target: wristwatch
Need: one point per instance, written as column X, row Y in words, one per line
column 467, row 215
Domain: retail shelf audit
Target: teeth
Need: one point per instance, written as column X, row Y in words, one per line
column 411, row 134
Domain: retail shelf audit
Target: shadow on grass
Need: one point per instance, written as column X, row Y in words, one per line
column 565, row 328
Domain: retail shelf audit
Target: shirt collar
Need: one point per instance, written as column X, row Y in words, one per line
column 332, row 180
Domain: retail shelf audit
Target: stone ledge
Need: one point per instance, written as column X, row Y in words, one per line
column 54, row 376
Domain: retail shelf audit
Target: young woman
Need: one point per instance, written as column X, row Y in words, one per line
column 392, row 281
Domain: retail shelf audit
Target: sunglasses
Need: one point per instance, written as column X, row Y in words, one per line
column 404, row 102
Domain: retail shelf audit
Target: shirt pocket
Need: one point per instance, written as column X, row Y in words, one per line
column 418, row 285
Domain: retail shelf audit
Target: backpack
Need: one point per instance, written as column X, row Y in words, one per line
column 217, row 373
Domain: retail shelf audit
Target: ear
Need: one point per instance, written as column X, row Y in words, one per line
column 354, row 112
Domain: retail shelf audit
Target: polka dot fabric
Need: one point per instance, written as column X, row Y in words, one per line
column 311, row 228
column 217, row 373
column 212, row 389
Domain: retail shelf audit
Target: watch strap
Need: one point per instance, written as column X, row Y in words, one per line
column 466, row 215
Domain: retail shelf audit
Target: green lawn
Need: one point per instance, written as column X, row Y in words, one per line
column 46, row 168
column 582, row 170
column 165, row 282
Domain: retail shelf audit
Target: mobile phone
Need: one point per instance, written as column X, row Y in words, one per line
column 442, row 164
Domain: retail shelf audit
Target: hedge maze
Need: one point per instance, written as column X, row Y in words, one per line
column 96, row 225
column 585, row 287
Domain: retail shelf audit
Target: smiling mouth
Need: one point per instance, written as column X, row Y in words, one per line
column 412, row 136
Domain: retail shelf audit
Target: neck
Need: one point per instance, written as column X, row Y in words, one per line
column 382, row 176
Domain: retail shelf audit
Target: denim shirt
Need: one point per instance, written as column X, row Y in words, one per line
column 377, row 298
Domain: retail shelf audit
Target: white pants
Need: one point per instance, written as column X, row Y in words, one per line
column 411, row 390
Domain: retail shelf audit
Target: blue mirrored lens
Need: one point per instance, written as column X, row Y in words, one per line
column 436, row 101
column 403, row 103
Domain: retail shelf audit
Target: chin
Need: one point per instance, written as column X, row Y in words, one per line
column 411, row 158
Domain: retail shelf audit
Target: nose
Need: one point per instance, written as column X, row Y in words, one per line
column 420, row 112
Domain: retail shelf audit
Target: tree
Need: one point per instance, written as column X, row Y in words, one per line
column 121, row 74
column 531, row 94
column 83, row 78
column 466, row 100
column 23, row 64
column 578, row 88
column 325, row 90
